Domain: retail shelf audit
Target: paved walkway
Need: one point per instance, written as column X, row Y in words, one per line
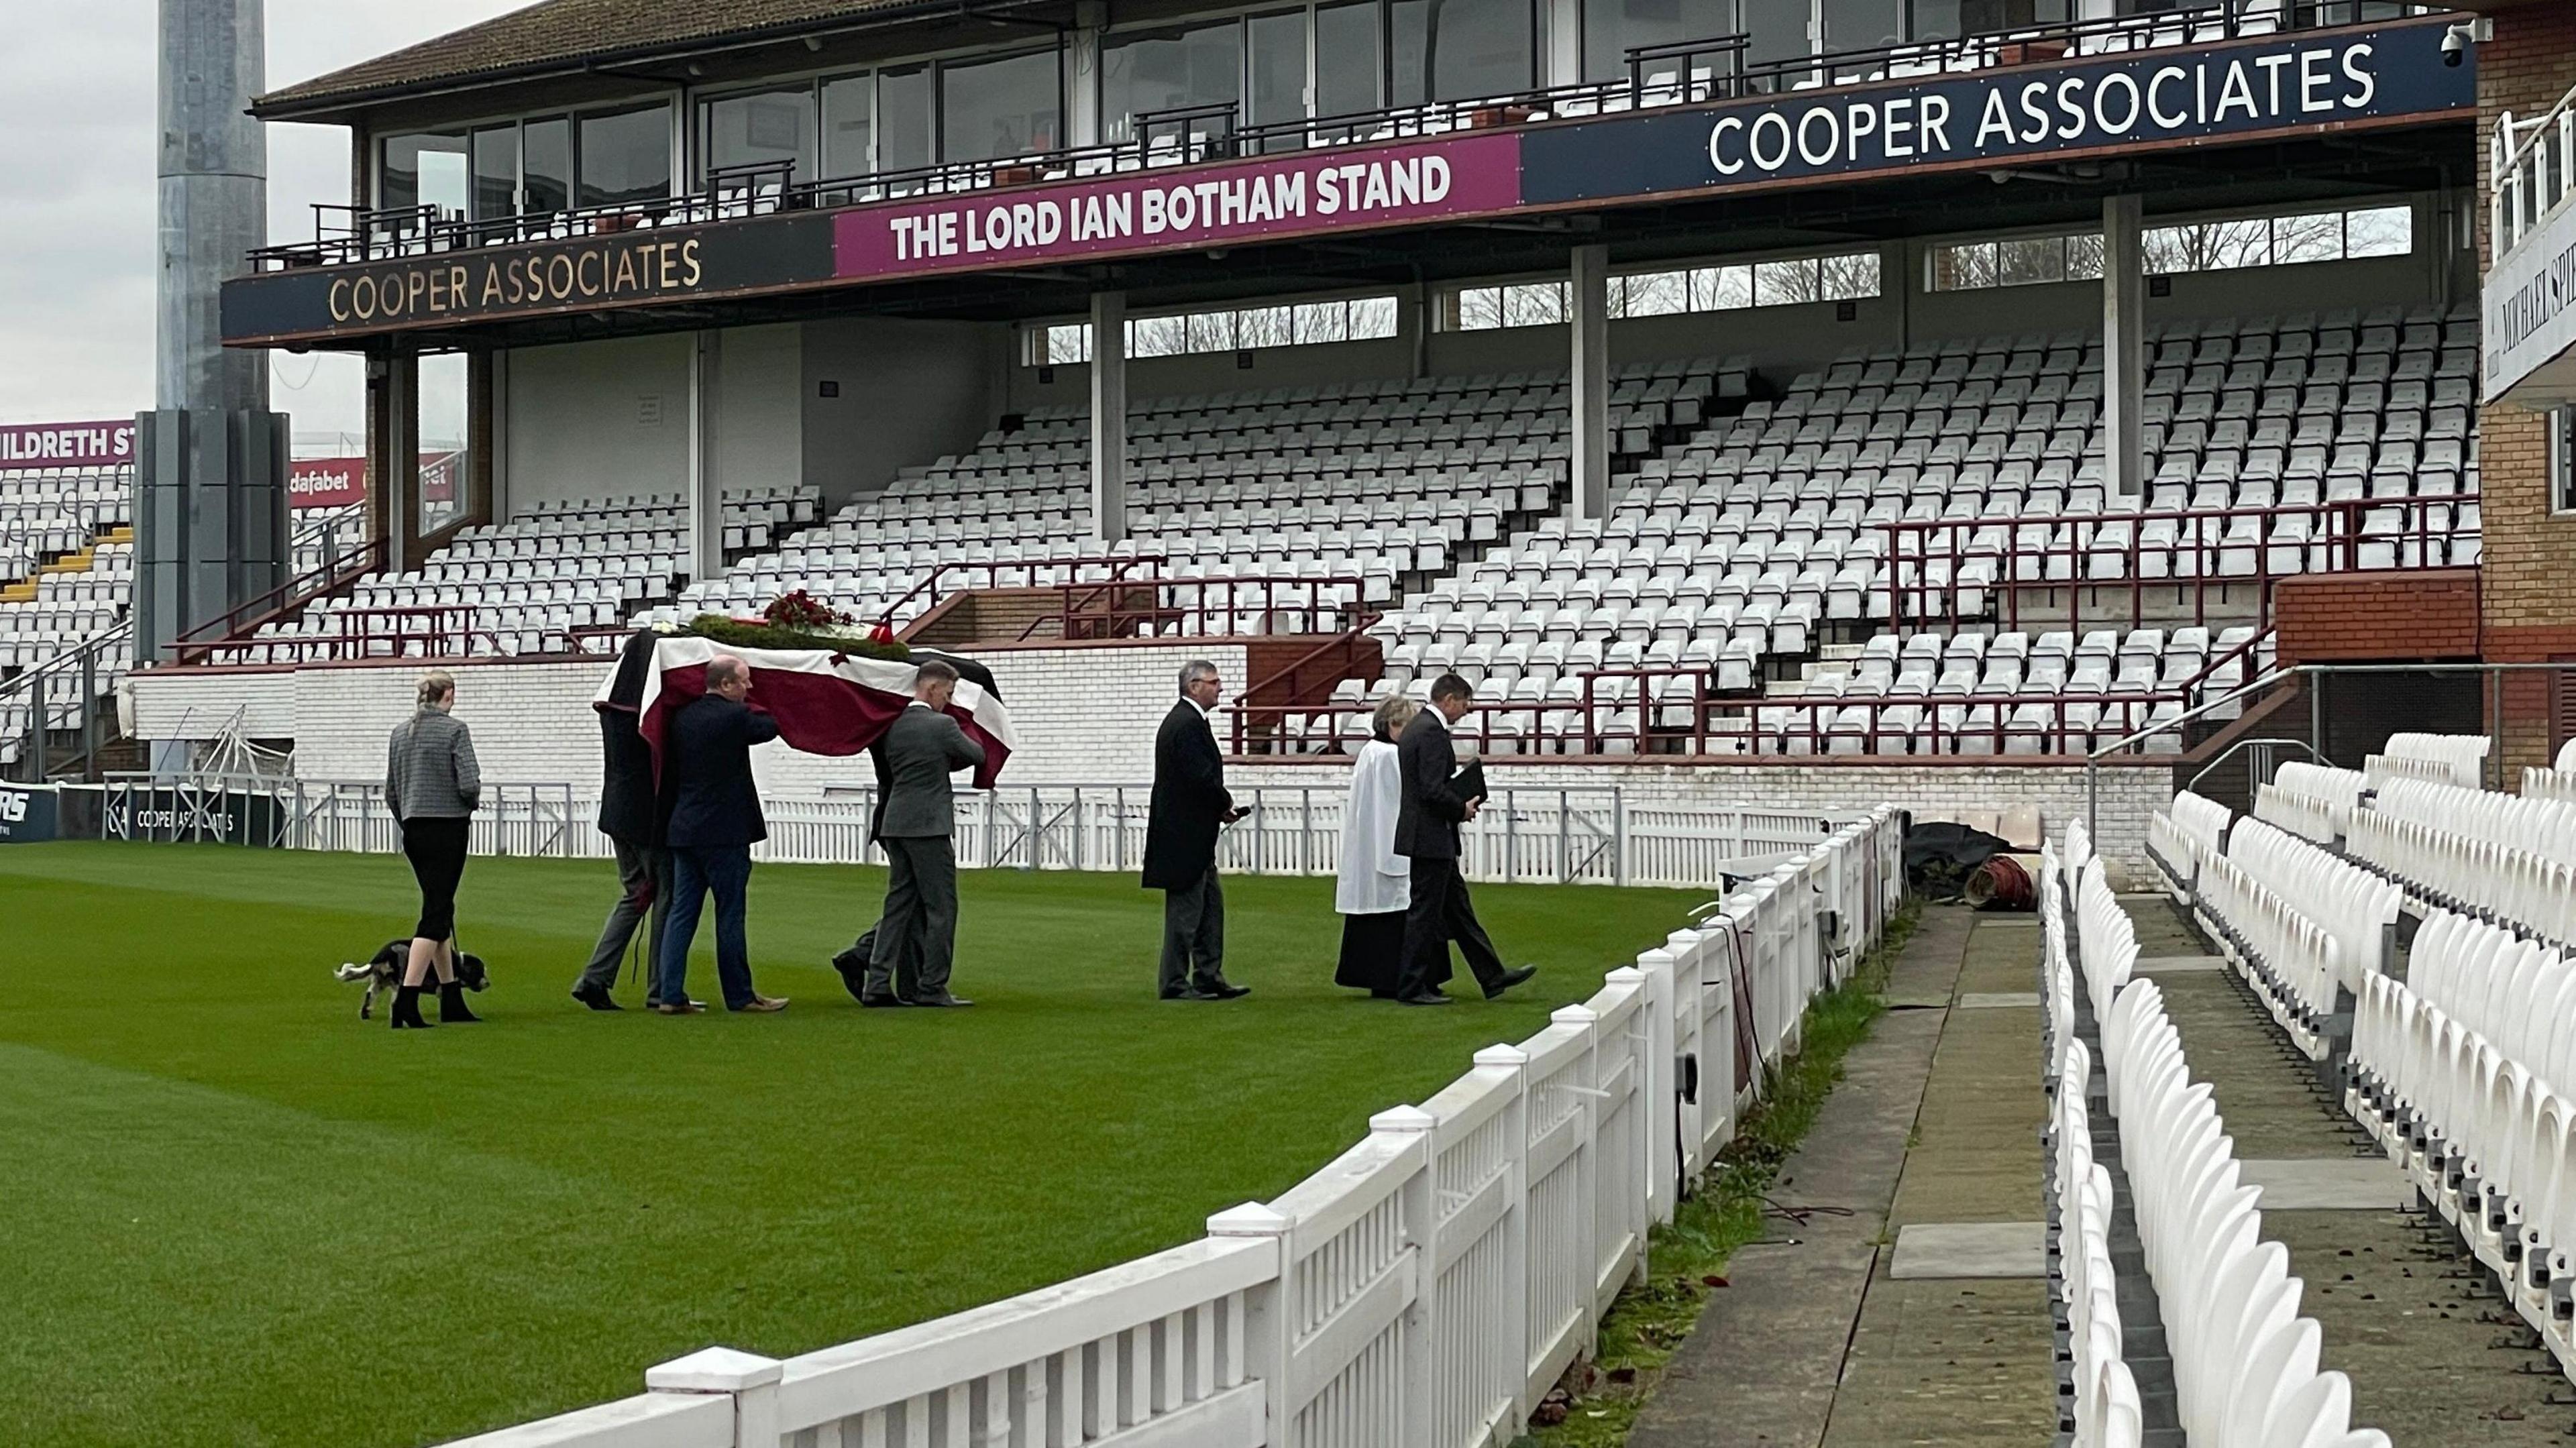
column 1936, row 1123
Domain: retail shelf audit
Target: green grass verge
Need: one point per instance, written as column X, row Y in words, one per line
column 1687, row 1258
column 232, row 1215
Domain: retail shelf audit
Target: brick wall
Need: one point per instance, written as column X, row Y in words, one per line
column 2345, row 617
column 2529, row 557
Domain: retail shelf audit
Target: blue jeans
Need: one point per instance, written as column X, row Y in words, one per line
column 725, row 869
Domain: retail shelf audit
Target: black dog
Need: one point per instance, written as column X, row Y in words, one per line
column 385, row 972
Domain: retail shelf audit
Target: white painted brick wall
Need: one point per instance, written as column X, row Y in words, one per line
column 1084, row 716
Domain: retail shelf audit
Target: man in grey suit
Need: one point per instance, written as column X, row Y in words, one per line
column 917, row 938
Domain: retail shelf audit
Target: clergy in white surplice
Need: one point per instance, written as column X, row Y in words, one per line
column 1376, row 882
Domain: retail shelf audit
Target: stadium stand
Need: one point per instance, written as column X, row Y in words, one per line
column 66, row 576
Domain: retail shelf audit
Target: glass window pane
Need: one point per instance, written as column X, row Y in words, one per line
column 1848, row 277
column 2084, row 257
column 626, row 156
column 443, row 452
column 1372, row 319
column 546, row 150
column 1456, row 50
column 2317, row 237
column 903, row 118
column 2380, row 231
column 496, row 172
column 1612, row 28
column 1479, row 308
column 1068, row 342
column 1780, row 283
column 1942, row 19
column 2028, row 259
column 1262, row 327
column 1863, row 24
column 1278, row 68
column 1322, row 322
column 1937, row 20
column 773, row 125
column 423, row 170
column 1775, row 29
column 1210, row 331
column 1657, row 294
column 1007, row 106
column 1157, row 336
column 849, row 126
column 1347, row 64
column 1721, row 288
column 1168, row 69
column 1534, row 304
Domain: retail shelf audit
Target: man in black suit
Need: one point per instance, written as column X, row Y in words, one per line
column 916, row 937
column 715, row 820
column 1190, row 805
column 1426, row 832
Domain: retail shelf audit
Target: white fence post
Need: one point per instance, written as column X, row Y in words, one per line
column 1422, row 1234
column 748, row 1378
column 1509, row 1338
column 1665, row 1160
column 1268, row 1334
column 1587, row 1166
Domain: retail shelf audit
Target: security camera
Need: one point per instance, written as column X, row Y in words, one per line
column 2454, row 45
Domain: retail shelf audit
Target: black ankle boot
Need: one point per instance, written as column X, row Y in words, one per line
column 407, row 1008
column 451, row 1004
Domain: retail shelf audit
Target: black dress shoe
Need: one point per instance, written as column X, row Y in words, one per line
column 941, row 999
column 1427, row 998
column 1189, row 993
column 1224, row 990
column 596, row 997
column 880, row 1000
column 1508, row 979
column 854, row 973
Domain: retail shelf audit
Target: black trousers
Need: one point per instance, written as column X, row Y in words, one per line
column 1194, row 932
column 436, row 849
column 1439, row 913
column 917, row 936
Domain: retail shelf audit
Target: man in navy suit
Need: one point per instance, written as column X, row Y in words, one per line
column 715, row 820
column 1433, row 806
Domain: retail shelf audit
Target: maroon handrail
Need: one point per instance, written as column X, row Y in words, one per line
column 269, row 607
column 2338, row 538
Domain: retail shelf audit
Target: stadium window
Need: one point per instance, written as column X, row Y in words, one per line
column 1168, row 68
column 1612, row 28
column 903, row 118
column 1355, row 319
column 995, row 107
column 1847, row 277
column 2562, row 459
column 424, row 170
column 1844, row 276
column 496, row 172
column 2084, row 257
column 1210, row 331
column 759, row 126
column 1954, row 19
column 2379, row 231
column 1721, row 288
column 849, row 126
column 1158, row 336
column 1785, row 283
column 1457, row 50
column 545, row 165
column 625, row 156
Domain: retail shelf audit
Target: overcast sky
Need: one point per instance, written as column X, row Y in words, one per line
column 76, row 256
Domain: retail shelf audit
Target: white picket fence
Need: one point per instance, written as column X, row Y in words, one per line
column 1422, row 1290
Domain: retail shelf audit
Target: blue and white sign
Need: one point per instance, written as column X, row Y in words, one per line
column 26, row 814
column 2136, row 100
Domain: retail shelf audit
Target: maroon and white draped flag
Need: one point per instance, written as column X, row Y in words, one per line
column 825, row 703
